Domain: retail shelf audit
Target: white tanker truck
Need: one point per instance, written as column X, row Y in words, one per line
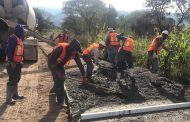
column 19, row 12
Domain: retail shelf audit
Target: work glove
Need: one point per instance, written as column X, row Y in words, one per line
column 59, row 60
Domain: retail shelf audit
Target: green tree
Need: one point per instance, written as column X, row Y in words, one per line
column 43, row 21
column 93, row 13
column 183, row 11
column 159, row 10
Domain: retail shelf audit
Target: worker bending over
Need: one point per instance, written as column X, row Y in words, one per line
column 153, row 51
column 125, row 55
column 91, row 54
column 56, row 62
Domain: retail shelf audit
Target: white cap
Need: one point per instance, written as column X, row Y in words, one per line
column 165, row 32
column 110, row 29
column 102, row 43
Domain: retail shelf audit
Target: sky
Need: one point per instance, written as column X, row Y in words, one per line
column 121, row 5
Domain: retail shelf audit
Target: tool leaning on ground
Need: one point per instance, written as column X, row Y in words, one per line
column 117, row 93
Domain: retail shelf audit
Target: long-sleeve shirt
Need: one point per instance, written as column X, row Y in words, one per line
column 55, row 55
column 12, row 42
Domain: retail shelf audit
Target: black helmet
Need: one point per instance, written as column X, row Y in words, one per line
column 75, row 46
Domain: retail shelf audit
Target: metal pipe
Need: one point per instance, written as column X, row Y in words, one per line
column 124, row 112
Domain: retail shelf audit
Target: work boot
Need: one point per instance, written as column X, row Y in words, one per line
column 90, row 80
column 61, row 105
column 131, row 74
column 15, row 93
column 84, row 81
column 118, row 76
column 9, row 96
column 52, row 90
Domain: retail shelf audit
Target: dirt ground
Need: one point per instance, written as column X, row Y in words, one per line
column 35, row 84
column 39, row 106
column 149, row 89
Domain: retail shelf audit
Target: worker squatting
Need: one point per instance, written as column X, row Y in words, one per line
column 119, row 50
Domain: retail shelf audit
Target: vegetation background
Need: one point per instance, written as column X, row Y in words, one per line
column 88, row 21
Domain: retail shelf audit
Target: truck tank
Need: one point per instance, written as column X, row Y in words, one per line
column 19, row 12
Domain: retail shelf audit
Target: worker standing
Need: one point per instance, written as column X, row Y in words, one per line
column 112, row 45
column 125, row 55
column 14, row 58
column 56, row 62
column 90, row 55
column 63, row 37
column 153, row 51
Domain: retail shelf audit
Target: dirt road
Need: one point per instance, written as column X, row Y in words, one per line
column 39, row 105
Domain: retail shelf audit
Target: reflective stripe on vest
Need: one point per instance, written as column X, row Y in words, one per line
column 128, row 45
column 152, row 46
column 113, row 39
column 19, row 51
column 90, row 48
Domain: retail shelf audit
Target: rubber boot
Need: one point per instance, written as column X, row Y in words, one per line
column 15, row 93
column 52, row 90
column 118, row 76
column 131, row 74
column 9, row 100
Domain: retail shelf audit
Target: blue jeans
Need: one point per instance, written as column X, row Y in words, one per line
column 58, row 74
column 112, row 53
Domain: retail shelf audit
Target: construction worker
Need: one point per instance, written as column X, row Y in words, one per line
column 91, row 54
column 125, row 55
column 56, row 62
column 153, row 51
column 14, row 58
column 112, row 45
column 63, row 37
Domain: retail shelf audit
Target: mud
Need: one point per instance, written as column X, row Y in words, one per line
column 147, row 87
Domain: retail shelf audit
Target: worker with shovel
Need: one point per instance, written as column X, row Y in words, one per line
column 56, row 62
column 153, row 51
column 91, row 54
column 125, row 55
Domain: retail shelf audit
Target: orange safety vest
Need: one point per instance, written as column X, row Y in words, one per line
column 90, row 48
column 63, row 53
column 113, row 39
column 152, row 46
column 19, row 51
column 128, row 45
column 63, row 38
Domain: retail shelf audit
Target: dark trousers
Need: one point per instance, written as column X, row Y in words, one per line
column 152, row 63
column 58, row 74
column 112, row 53
column 90, row 66
column 14, row 74
column 123, row 58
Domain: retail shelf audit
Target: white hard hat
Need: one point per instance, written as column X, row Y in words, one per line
column 165, row 32
column 102, row 43
column 110, row 29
